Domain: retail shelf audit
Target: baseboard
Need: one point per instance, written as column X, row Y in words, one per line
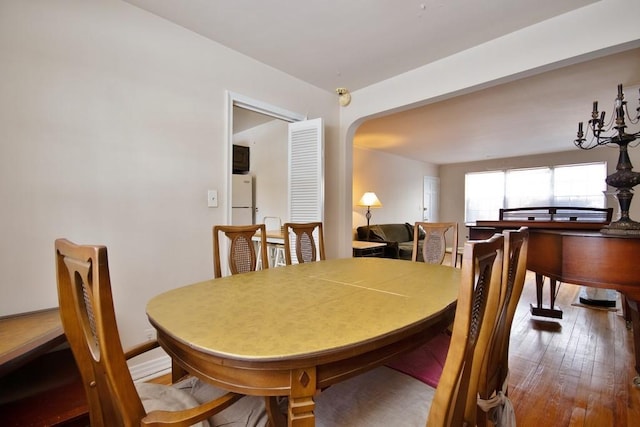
column 151, row 369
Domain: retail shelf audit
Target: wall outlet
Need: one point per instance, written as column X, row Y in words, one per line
column 150, row 334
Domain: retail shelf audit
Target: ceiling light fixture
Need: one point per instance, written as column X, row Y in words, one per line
column 345, row 96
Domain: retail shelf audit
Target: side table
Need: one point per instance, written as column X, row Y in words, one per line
column 368, row 249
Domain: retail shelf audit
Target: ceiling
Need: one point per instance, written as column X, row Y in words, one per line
column 353, row 44
column 534, row 115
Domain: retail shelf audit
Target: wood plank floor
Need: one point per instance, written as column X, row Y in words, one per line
column 575, row 371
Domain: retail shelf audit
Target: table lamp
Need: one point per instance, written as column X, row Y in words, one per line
column 369, row 200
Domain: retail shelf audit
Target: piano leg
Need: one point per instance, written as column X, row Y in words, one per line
column 539, row 310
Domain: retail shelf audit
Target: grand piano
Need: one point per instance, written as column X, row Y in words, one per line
column 565, row 245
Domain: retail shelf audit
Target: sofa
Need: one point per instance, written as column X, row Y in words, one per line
column 398, row 237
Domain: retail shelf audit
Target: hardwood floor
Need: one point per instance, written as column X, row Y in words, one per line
column 575, row 371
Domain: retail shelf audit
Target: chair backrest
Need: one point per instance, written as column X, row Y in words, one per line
column 455, row 400
column 496, row 363
column 242, row 251
column 88, row 319
column 305, row 244
column 272, row 223
column 434, row 245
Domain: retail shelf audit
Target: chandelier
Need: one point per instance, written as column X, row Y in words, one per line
column 601, row 132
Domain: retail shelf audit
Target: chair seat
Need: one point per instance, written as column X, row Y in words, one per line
column 160, row 397
column 381, row 397
column 249, row 411
column 349, row 403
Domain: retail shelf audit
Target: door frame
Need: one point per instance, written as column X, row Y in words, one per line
column 241, row 101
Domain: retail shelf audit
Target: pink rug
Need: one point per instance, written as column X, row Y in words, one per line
column 426, row 362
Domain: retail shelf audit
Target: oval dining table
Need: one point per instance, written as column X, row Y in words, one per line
column 293, row 330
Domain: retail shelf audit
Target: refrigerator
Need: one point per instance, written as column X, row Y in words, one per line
column 242, row 209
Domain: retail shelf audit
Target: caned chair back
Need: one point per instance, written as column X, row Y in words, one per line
column 493, row 388
column 242, row 251
column 272, row 222
column 304, row 243
column 455, row 399
column 434, row 244
column 88, row 319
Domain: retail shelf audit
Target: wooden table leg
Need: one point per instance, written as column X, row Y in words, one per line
column 301, row 405
column 177, row 372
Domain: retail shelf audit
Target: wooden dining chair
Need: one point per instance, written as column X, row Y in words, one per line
column 493, row 388
column 304, row 243
column 88, row 319
column 434, row 243
column 384, row 396
column 242, row 251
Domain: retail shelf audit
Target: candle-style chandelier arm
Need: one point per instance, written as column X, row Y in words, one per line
column 624, row 178
column 599, row 130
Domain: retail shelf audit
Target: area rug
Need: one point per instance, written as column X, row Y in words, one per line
column 426, row 362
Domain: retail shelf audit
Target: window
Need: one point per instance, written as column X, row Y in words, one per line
column 566, row 185
column 484, row 195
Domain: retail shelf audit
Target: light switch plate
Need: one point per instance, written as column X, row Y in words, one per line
column 212, row 198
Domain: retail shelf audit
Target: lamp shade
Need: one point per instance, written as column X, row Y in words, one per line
column 370, row 200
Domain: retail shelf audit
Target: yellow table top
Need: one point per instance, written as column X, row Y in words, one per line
column 304, row 309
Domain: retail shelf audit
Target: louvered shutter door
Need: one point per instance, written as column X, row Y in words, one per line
column 306, row 171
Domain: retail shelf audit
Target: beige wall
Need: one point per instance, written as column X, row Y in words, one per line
column 452, row 177
column 112, row 129
column 397, row 181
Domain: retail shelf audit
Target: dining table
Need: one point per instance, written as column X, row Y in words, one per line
column 295, row 330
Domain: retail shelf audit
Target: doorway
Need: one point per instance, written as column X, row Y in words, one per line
column 431, row 195
column 243, row 115
column 262, row 141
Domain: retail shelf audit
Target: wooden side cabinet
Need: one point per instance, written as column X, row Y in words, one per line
column 368, row 249
column 40, row 384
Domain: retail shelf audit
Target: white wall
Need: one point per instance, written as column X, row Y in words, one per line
column 268, row 148
column 397, row 181
column 112, row 128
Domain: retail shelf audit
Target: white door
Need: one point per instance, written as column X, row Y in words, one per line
column 431, row 194
column 306, row 171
